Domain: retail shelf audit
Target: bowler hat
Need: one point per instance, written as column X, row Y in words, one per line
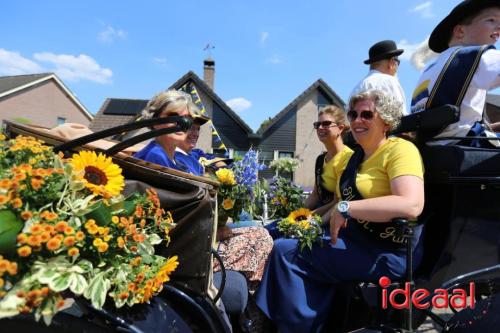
column 440, row 37
column 383, row 50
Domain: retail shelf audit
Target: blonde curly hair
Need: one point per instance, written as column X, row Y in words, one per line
column 388, row 108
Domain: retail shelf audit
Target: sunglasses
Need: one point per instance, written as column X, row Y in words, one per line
column 397, row 61
column 324, row 124
column 363, row 115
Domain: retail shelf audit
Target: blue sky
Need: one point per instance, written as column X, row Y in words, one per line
column 266, row 52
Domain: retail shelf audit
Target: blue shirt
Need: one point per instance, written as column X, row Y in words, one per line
column 154, row 153
column 190, row 162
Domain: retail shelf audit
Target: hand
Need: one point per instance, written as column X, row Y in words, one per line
column 337, row 221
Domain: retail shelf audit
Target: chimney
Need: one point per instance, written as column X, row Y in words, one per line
column 209, row 72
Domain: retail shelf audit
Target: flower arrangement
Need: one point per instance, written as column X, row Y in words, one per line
column 237, row 189
column 284, row 197
column 284, row 165
column 303, row 225
column 65, row 229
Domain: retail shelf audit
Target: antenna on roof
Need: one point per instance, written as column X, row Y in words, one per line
column 209, row 47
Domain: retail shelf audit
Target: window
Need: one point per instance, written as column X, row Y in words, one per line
column 61, row 120
column 288, row 154
column 220, row 152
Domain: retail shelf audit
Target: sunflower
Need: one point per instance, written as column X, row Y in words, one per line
column 299, row 215
column 99, row 173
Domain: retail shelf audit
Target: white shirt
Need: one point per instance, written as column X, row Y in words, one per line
column 486, row 77
column 385, row 82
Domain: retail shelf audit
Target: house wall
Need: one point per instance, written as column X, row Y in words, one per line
column 308, row 147
column 42, row 105
column 205, row 140
column 493, row 112
column 232, row 135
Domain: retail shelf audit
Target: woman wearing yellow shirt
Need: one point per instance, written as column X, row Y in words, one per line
column 331, row 125
column 381, row 180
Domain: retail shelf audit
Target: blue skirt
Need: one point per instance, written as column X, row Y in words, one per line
column 298, row 287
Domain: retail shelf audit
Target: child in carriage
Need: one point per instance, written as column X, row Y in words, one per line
column 467, row 68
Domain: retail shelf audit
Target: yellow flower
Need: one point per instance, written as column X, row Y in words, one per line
column 73, row 251
column 299, row 215
column 228, row 203
column 225, row 176
column 304, row 224
column 99, row 173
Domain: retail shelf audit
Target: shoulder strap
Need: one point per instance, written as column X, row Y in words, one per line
column 348, row 189
column 456, row 75
column 324, row 195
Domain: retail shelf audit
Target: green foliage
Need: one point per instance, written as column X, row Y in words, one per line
column 284, row 197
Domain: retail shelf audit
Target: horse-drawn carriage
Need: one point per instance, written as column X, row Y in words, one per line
column 462, row 229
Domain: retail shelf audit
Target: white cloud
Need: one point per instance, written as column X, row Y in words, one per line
column 160, row 61
column 263, row 37
column 274, row 59
column 239, row 104
column 109, row 34
column 424, row 9
column 409, row 49
column 75, row 68
column 13, row 63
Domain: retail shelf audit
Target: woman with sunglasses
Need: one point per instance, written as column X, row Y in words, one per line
column 161, row 150
column 376, row 183
column 330, row 127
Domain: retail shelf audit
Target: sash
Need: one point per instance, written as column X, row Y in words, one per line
column 324, row 195
column 383, row 233
column 456, row 75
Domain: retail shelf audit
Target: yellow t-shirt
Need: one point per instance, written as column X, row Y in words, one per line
column 396, row 157
column 327, row 176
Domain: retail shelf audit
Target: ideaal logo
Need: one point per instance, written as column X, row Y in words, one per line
column 440, row 299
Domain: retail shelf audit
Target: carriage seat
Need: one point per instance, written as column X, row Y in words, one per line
column 450, row 160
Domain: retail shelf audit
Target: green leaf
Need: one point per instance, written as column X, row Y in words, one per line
column 100, row 213
column 49, row 275
column 97, row 290
column 60, row 283
column 10, row 226
column 154, row 239
column 78, row 283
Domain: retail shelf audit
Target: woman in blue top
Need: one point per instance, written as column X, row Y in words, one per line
column 161, row 150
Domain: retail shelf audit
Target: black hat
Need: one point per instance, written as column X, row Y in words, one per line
column 440, row 37
column 200, row 119
column 385, row 49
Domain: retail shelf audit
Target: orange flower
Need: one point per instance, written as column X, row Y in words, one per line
column 60, row 303
column 20, row 176
column 48, row 228
column 44, row 291
column 45, row 236
column 69, row 241
column 36, row 183
column 34, row 240
column 51, row 216
column 69, row 230
column 17, row 203
column 5, row 183
column 24, row 251
column 26, row 215
column 12, row 269
column 22, row 238
column 36, row 229
column 139, row 238
column 53, row 244
column 142, row 224
column 120, row 242
column 123, row 295
column 133, row 248
column 61, row 226
column 2, row 283
column 73, row 252
column 3, row 199
column 136, row 261
column 103, row 247
column 80, row 236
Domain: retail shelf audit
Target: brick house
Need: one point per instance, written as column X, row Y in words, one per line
column 40, row 99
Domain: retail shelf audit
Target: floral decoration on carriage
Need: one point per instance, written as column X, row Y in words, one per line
column 67, row 231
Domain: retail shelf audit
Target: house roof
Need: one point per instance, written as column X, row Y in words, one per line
column 118, row 111
column 200, row 84
column 13, row 84
column 318, row 84
column 493, row 99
